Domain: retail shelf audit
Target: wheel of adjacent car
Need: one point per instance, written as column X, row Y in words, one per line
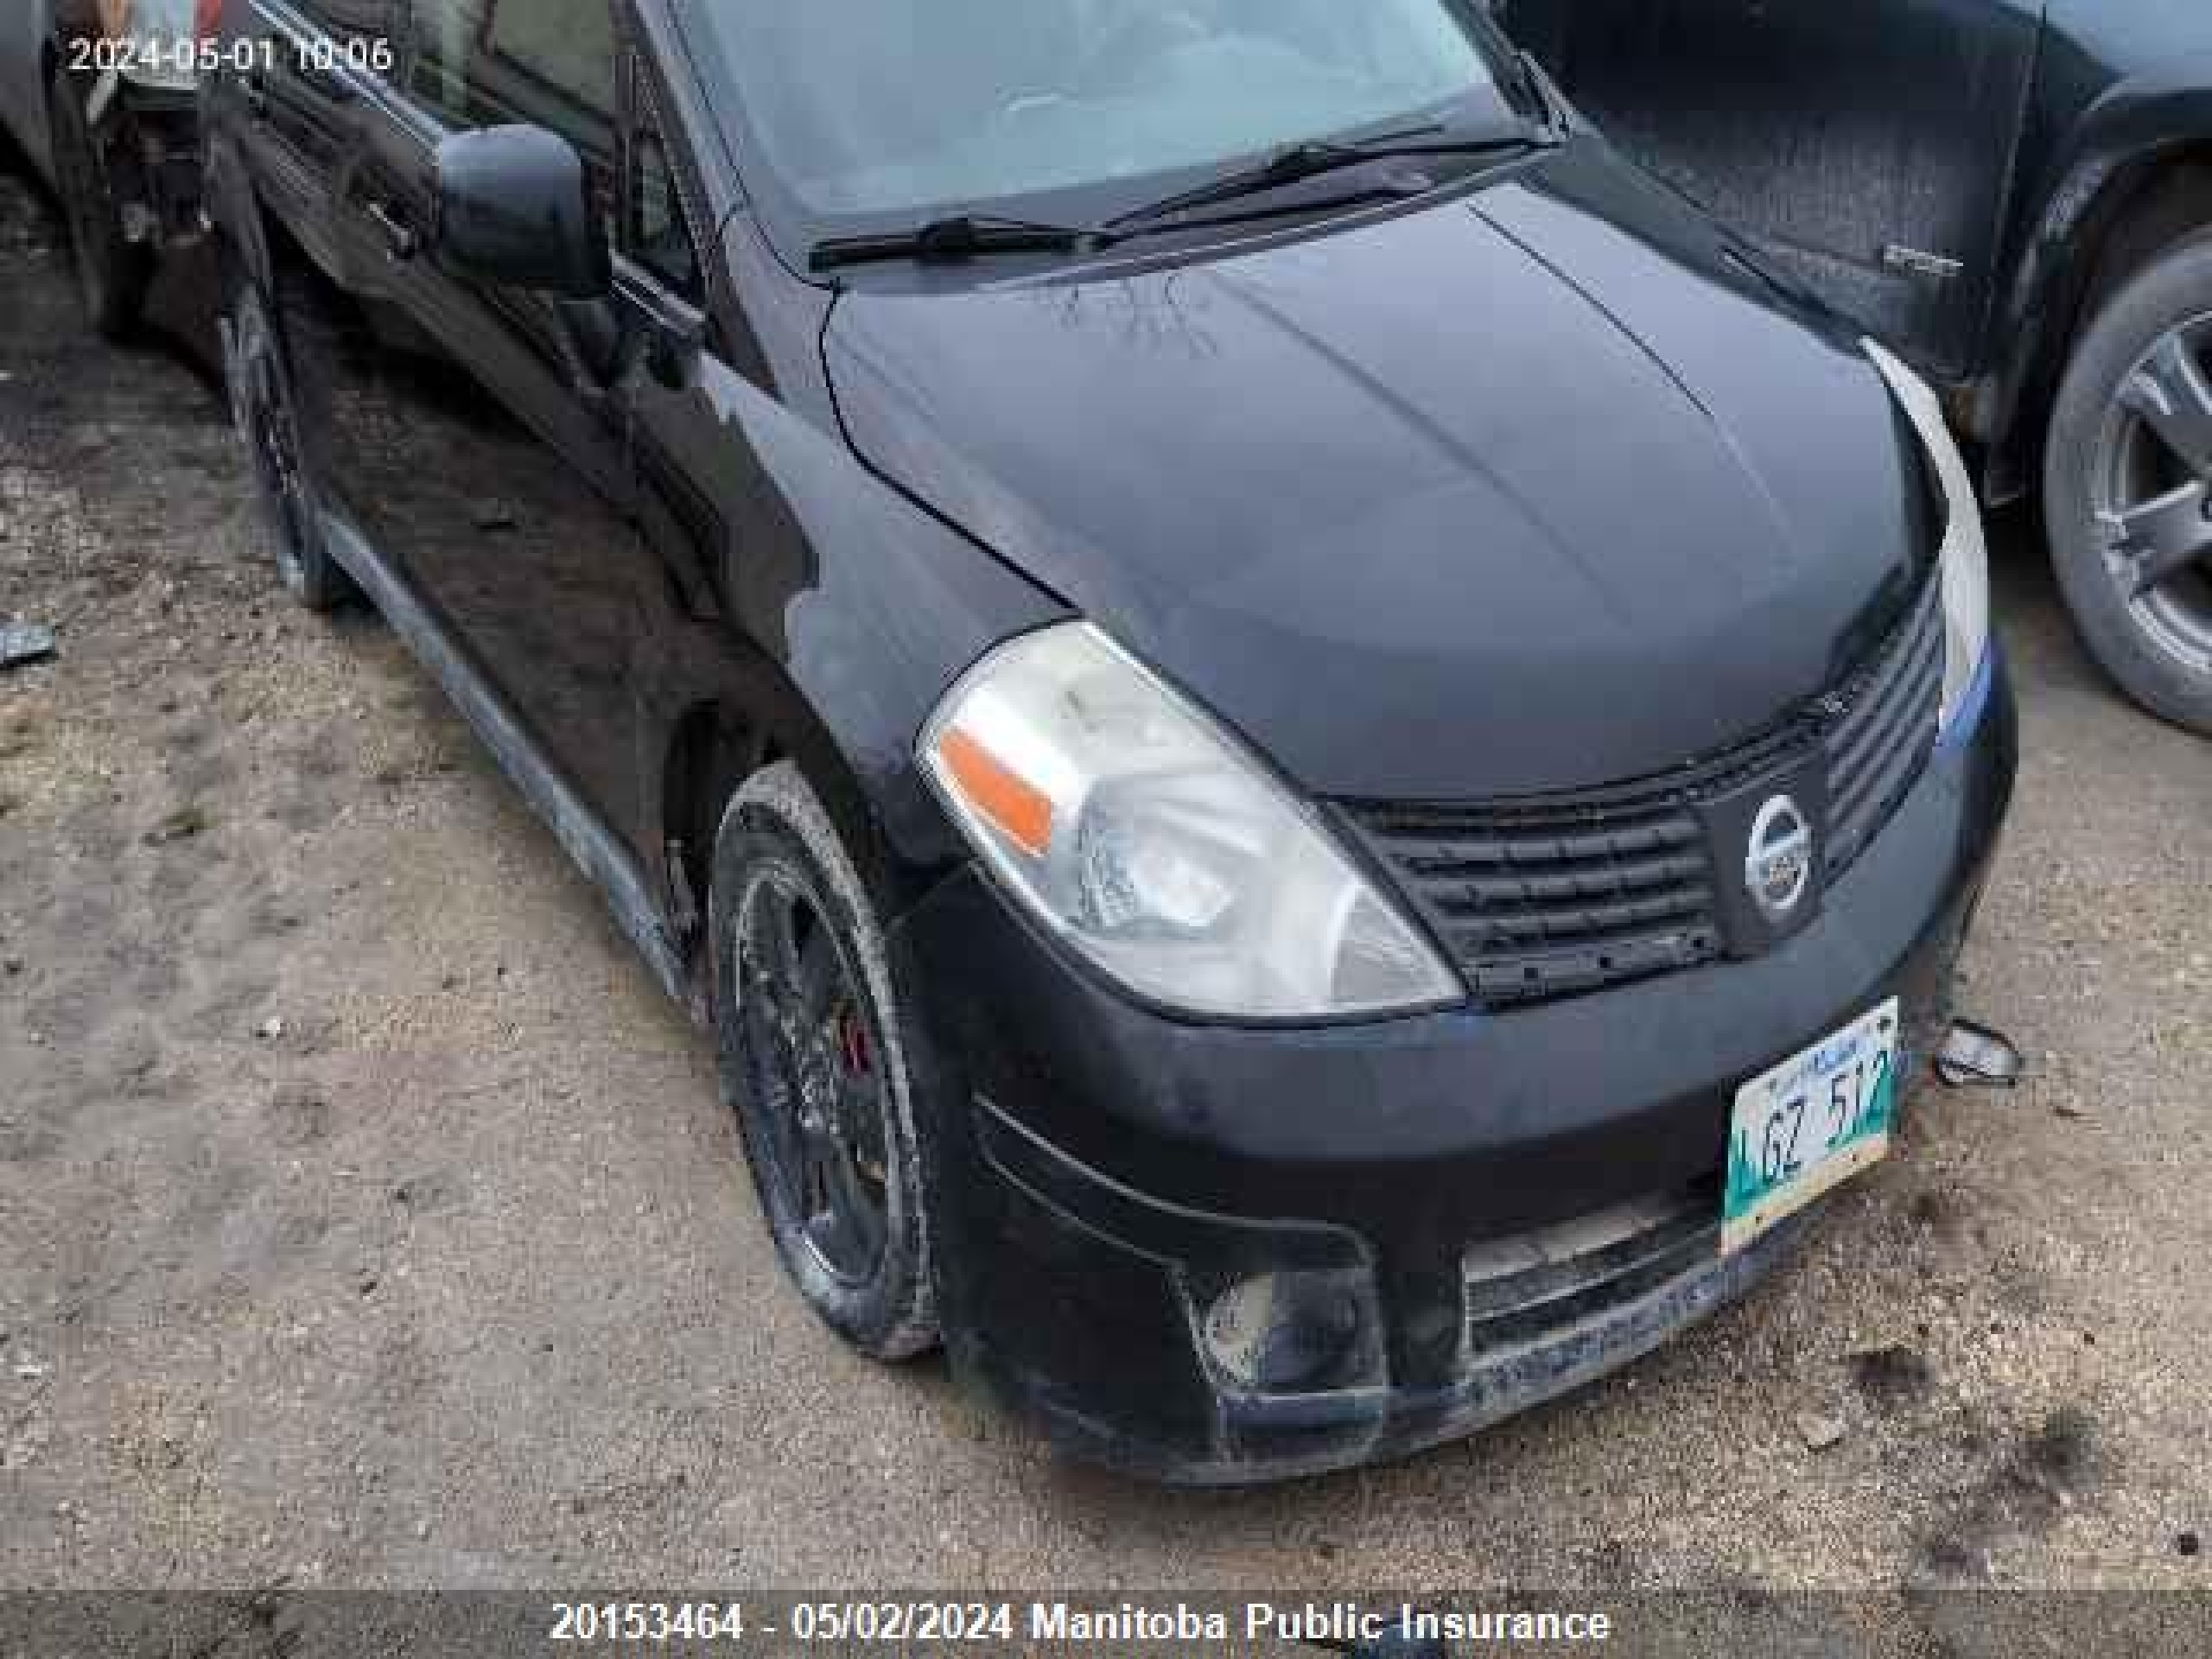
column 264, row 408
column 2128, row 484
column 813, row 1054
column 113, row 272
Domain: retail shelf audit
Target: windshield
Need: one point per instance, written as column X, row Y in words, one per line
column 893, row 108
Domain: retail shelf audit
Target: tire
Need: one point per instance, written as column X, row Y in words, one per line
column 2149, row 347
column 264, row 410
column 113, row 272
column 827, row 1043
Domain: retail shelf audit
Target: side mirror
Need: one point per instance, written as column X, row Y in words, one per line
column 515, row 209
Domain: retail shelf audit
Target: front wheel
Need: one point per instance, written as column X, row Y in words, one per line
column 265, row 411
column 113, row 272
column 814, row 1057
column 2127, row 486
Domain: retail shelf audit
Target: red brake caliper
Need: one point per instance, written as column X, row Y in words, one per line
column 852, row 1043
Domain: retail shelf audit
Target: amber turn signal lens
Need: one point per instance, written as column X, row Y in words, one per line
column 1023, row 814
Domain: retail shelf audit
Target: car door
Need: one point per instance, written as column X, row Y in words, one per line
column 291, row 56
column 1865, row 144
column 468, row 434
column 681, row 451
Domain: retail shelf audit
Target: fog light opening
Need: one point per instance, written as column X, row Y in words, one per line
column 1293, row 1333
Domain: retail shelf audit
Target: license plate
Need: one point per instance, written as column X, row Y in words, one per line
column 1811, row 1124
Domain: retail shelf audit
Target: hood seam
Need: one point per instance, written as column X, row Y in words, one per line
column 1779, row 519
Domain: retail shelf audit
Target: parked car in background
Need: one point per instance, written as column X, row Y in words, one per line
column 101, row 96
column 1290, row 864
column 26, row 38
column 2015, row 194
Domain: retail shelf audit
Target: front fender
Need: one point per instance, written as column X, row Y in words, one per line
column 838, row 613
column 2126, row 131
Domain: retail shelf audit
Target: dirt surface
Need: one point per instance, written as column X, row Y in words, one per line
column 367, row 1217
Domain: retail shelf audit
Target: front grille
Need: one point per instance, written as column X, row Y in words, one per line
column 1556, row 895
column 1543, row 901
column 1879, row 746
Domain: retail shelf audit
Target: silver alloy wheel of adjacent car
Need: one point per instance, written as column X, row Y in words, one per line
column 2151, row 489
column 2127, row 483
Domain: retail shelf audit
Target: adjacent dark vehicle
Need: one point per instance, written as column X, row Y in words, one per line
column 26, row 61
column 102, row 96
column 1318, row 762
column 2018, row 194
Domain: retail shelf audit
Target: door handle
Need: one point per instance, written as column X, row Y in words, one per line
column 401, row 241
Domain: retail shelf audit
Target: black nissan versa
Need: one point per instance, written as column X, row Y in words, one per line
column 1317, row 761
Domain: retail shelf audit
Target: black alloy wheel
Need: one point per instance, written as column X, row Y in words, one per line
column 263, row 410
column 812, row 1066
column 814, row 1062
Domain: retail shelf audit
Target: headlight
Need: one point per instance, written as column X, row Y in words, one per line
column 1143, row 836
column 1965, row 552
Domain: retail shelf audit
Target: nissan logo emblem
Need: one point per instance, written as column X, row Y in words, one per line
column 1779, row 868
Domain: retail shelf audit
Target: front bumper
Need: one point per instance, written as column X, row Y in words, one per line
column 1511, row 1203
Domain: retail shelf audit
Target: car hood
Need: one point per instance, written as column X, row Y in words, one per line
column 1522, row 491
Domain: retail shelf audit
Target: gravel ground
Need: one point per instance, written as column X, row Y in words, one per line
column 366, row 1216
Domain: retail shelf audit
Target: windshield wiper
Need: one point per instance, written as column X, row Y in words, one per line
column 973, row 236
column 962, row 236
column 1297, row 163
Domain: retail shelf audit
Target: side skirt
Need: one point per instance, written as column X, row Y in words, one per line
column 596, row 850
